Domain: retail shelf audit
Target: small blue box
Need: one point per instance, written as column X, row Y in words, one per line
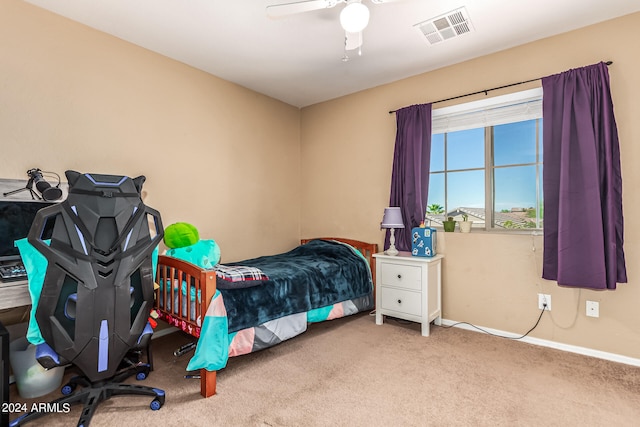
column 423, row 241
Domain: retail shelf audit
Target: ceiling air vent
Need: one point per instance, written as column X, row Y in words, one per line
column 446, row 26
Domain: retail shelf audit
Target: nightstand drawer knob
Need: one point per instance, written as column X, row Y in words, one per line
column 399, row 276
column 399, row 301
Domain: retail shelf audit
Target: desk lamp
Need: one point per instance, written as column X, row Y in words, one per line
column 392, row 219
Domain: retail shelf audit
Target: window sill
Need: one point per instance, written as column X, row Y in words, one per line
column 515, row 232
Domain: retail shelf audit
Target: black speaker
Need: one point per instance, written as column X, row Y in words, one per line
column 4, row 375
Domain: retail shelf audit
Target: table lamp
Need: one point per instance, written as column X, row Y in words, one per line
column 392, row 219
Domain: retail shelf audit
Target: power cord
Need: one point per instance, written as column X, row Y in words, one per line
column 544, row 306
column 537, row 270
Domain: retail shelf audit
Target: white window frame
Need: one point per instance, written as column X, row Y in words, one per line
column 504, row 109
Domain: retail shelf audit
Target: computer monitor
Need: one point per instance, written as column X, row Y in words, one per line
column 16, row 217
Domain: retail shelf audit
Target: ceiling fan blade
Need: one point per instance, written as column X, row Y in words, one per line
column 285, row 9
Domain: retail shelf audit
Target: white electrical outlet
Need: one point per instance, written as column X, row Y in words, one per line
column 544, row 299
column 593, row 309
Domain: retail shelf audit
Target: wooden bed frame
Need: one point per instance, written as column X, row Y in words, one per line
column 205, row 285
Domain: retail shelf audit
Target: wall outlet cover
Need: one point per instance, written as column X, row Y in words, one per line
column 593, row 309
column 544, row 299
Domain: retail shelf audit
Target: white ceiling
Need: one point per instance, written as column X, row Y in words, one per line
column 297, row 59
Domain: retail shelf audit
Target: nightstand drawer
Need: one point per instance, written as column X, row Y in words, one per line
column 402, row 301
column 401, row 276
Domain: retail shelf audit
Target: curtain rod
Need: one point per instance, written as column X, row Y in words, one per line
column 487, row 90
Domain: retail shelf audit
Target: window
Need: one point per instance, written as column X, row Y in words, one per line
column 486, row 162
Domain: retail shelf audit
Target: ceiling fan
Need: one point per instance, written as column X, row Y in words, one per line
column 354, row 17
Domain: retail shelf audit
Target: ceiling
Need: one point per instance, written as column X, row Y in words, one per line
column 298, row 58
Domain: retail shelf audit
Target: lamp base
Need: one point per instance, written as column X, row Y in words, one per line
column 392, row 244
column 392, row 251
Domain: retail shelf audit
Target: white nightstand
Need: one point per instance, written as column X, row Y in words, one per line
column 409, row 287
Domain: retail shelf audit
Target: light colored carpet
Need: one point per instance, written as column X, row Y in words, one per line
column 351, row 372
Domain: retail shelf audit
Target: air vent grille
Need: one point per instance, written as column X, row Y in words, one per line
column 446, row 26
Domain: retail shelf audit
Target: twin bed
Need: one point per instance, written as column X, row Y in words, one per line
column 246, row 306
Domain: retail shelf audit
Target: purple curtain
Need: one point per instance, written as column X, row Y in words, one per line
column 410, row 176
column 583, row 224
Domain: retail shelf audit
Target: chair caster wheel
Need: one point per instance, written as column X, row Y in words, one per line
column 155, row 405
column 67, row 389
column 143, row 372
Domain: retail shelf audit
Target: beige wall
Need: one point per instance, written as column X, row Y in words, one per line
column 217, row 155
column 491, row 280
column 256, row 174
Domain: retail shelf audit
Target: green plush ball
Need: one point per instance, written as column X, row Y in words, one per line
column 180, row 235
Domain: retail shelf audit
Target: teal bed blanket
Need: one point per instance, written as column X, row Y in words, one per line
column 318, row 281
column 314, row 275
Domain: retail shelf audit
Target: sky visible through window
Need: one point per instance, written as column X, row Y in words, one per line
column 516, row 154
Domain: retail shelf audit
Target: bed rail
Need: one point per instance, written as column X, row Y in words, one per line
column 194, row 281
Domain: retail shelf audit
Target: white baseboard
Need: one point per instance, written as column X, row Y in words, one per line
column 551, row 344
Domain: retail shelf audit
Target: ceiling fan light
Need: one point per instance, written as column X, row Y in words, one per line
column 354, row 17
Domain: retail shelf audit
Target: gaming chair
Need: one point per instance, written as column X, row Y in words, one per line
column 98, row 288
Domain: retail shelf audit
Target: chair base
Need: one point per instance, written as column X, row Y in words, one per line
column 93, row 393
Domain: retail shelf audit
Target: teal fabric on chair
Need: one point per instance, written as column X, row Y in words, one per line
column 36, row 266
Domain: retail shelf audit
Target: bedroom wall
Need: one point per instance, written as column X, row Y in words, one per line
column 490, row 279
column 217, row 155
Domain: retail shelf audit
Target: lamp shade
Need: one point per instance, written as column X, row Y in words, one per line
column 392, row 218
column 354, row 17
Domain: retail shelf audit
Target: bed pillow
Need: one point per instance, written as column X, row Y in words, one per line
column 238, row 276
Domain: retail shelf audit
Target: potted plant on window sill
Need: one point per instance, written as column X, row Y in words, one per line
column 449, row 225
column 465, row 225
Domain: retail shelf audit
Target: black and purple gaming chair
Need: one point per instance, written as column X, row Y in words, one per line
column 98, row 289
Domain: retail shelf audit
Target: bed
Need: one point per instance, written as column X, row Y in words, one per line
column 322, row 279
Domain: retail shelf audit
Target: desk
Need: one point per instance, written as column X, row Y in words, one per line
column 4, row 374
column 14, row 294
